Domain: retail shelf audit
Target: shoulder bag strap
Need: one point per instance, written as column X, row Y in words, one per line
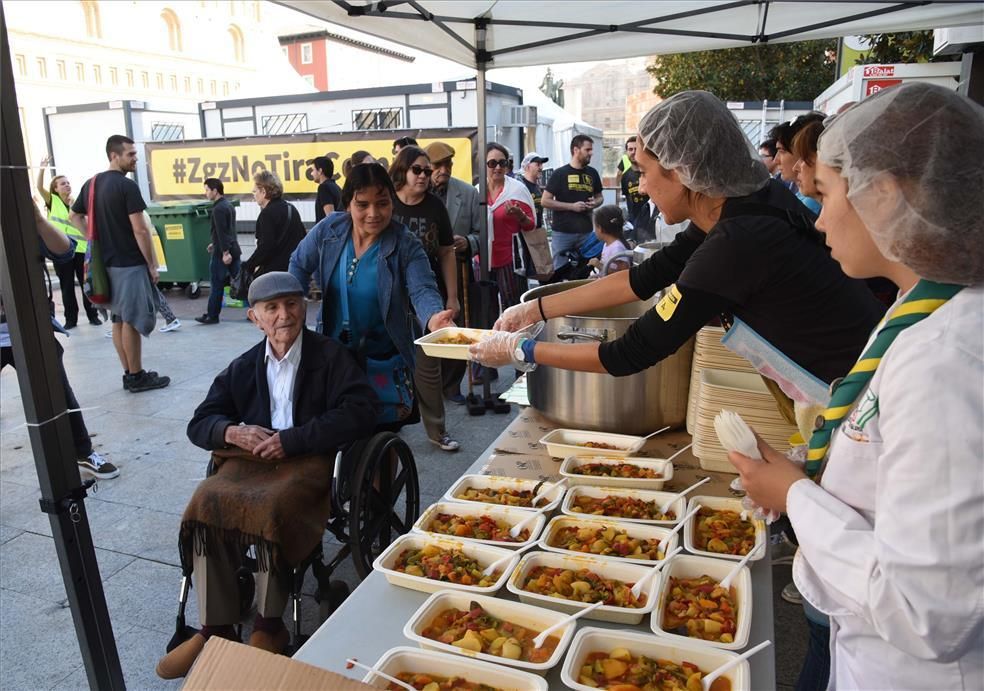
column 90, row 217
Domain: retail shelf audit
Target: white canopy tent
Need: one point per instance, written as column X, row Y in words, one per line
column 556, row 127
column 483, row 34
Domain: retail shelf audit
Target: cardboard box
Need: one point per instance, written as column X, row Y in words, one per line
column 225, row 664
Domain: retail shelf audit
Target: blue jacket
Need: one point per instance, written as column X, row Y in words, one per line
column 405, row 276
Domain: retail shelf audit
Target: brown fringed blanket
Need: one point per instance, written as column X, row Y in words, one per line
column 279, row 506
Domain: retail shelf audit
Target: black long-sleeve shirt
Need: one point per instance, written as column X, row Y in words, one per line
column 771, row 271
column 279, row 230
column 224, row 229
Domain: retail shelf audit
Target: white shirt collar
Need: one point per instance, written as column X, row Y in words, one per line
column 293, row 355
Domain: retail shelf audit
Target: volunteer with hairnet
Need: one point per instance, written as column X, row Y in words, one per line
column 891, row 538
column 750, row 252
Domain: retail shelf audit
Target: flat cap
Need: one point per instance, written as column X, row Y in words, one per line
column 438, row 151
column 272, row 285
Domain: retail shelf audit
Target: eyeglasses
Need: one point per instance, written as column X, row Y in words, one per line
column 497, row 163
column 419, row 170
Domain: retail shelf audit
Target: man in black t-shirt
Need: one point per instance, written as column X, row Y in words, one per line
column 124, row 238
column 572, row 192
column 532, row 168
column 329, row 197
column 634, row 198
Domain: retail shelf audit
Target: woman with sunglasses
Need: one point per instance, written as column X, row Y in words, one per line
column 510, row 210
column 416, row 207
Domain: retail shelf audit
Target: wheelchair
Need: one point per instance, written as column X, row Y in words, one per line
column 375, row 497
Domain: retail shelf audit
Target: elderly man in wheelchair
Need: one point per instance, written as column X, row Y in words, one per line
column 273, row 420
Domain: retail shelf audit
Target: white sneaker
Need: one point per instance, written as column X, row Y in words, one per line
column 109, row 333
column 95, row 466
column 171, row 326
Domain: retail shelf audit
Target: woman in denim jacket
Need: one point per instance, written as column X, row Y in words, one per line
column 377, row 287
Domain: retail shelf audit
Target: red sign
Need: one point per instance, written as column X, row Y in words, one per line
column 879, row 70
column 873, row 86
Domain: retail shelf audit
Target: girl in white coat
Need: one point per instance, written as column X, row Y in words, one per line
column 891, row 542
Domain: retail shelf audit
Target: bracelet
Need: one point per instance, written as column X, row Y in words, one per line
column 539, row 303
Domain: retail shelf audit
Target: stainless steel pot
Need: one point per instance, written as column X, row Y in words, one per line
column 638, row 404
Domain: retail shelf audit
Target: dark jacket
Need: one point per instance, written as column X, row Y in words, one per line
column 333, row 402
column 224, row 229
column 279, row 229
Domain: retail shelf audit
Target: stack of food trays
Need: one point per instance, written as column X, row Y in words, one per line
column 710, row 354
column 694, row 624
column 745, row 394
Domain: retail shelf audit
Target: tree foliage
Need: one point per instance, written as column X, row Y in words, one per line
column 912, row 46
column 792, row 71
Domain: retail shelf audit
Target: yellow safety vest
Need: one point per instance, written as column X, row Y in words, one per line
column 626, row 163
column 58, row 216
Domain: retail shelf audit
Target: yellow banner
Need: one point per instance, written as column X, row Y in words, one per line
column 179, row 171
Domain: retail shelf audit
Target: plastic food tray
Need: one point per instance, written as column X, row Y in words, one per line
column 661, row 465
column 591, row 639
column 510, row 515
column 561, row 443
column 448, row 351
column 484, row 554
column 686, row 566
column 761, row 532
column 527, row 616
column 606, row 568
column 550, row 502
column 679, row 506
column 639, row 530
column 407, row 659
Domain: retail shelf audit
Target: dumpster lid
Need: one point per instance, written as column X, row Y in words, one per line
column 183, row 206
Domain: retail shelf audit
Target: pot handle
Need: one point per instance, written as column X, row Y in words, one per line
column 574, row 336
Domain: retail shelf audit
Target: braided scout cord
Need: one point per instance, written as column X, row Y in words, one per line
column 924, row 299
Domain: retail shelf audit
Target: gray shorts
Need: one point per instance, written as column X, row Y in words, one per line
column 133, row 297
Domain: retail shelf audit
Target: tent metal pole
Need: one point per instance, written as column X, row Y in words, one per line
column 484, row 258
column 39, row 379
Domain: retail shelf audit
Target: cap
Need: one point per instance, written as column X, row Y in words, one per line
column 273, row 285
column 533, row 157
column 438, row 151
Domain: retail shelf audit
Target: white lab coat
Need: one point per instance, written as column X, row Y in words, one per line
column 892, row 545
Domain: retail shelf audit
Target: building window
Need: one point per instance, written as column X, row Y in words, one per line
column 213, row 87
column 114, row 76
column 145, row 79
column 42, row 68
column 173, row 81
column 256, row 11
column 166, row 131
column 187, row 85
column 286, row 123
column 238, row 45
column 309, row 78
column 97, row 75
column 160, row 82
column 90, row 9
column 225, row 88
column 79, row 72
column 201, row 86
column 62, row 70
column 377, row 119
column 129, row 78
column 307, row 54
column 21, row 65
column 286, row 51
column 173, row 30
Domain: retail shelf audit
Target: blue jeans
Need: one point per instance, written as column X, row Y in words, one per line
column 816, row 665
column 561, row 242
column 217, row 272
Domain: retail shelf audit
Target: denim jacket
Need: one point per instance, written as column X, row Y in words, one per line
column 405, row 276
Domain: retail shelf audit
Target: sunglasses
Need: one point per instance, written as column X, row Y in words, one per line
column 497, row 163
column 420, row 170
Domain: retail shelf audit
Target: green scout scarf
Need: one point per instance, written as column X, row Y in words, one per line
column 924, row 299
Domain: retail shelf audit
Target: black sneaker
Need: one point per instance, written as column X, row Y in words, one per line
column 205, row 319
column 146, row 381
column 95, row 466
column 95, row 320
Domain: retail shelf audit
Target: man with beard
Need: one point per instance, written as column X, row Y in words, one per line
column 572, row 192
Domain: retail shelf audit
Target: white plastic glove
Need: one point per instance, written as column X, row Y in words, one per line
column 518, row 317
column 499, row 348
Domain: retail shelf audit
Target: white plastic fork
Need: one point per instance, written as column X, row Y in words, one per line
column 680, row 451
column 385, row 676
column 637, row 588
column 669, row 502
column 656, row 433
column 726, row 581
column 676, row 529
column 714, row 674
column 518, row 528
column 544, row 492
column 490, row 569
column 542, row 638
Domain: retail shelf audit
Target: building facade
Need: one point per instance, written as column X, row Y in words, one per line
column 325, row 60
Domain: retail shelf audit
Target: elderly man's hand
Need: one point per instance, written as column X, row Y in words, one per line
column 270, row 448
column 247, row 437
column 460, row 243
column 440, row 320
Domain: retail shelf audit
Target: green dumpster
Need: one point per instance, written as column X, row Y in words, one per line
column 184, row 228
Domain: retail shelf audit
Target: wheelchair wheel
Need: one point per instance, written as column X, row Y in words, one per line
column 385, row 498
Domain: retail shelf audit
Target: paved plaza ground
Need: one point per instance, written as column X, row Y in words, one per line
column 134, row 518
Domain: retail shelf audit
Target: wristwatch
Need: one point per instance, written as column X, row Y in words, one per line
column 519, row 354
column 524, row 351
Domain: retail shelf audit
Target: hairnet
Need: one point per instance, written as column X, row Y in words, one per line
column 931, row 142
column 695, row 134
